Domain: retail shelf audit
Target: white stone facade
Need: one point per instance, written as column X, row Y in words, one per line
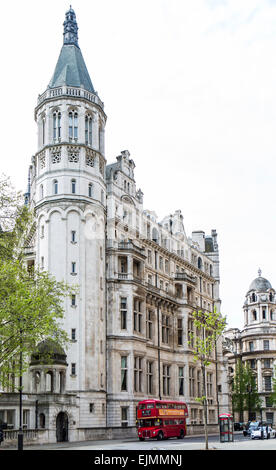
column 139, row 279
column 255, row 345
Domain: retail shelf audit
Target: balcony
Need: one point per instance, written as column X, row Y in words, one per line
column 130, row 278
column 130, row 246
column 184, row 277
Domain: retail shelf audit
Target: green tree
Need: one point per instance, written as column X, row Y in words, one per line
column 209, row 327
column 273, row 394
column 245, row 395
column 31, row 302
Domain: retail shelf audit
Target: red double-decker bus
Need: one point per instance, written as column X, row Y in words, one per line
column 161, row 419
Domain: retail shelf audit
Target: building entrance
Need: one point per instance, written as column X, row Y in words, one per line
column 62, row 427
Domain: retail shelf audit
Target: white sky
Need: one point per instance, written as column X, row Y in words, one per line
column 189, row 88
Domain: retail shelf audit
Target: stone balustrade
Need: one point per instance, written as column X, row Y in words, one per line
column 69, row 91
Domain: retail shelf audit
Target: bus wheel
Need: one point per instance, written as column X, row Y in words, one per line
column 141, row 439
column 160, row 436
column 181, row 436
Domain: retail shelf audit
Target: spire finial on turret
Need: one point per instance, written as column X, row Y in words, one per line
column 70, row 34
column 259, row 272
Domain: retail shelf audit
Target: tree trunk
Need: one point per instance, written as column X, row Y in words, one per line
column 205, row 406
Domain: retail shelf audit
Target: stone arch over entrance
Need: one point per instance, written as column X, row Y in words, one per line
column 62, row 427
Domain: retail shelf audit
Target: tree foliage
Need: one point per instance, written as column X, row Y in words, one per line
column 209, row 327
column 31, row 301
column 245, row 395
column 273, row 394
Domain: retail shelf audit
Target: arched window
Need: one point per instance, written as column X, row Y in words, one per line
column 253, row 297
column 56, row 125
column 155, row 235
column 254, row 315
column 73, row 186
column 55, row 186
column 37, row 381
column 73, row 125
column 90, row 189
column 49, row 379
column 199, row 263
column 43, row 130
column 42, row 420
column 41, row 191
column 88, row 130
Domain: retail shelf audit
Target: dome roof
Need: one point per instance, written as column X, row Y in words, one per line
column 49, row 352
column 260, row 284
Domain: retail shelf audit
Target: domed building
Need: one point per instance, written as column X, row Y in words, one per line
column 255, row 344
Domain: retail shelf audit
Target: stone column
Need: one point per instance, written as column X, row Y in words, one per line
column 64, row 124
column 43, row 381
column 185, row 293
column 55, row 381
column 259, row 374
column 129, row 267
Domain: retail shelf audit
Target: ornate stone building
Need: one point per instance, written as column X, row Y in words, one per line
column 255, row 344
column 139, row 278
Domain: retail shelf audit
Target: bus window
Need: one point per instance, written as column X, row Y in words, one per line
column 148, row 423
column 142, row 407
column 150, row 406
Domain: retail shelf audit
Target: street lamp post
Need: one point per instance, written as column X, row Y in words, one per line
column 249, row 389
column 20, row 432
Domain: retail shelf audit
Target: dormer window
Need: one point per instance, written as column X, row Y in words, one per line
column 73, row 125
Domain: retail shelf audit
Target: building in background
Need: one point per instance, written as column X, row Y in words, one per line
column 255, row 345
column 139, row 278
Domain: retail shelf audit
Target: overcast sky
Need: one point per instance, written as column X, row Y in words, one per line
column 189, row 88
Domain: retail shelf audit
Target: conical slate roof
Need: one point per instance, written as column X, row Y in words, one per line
column 71, row 69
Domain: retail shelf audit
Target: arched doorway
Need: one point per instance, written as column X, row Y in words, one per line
column 62, row 427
